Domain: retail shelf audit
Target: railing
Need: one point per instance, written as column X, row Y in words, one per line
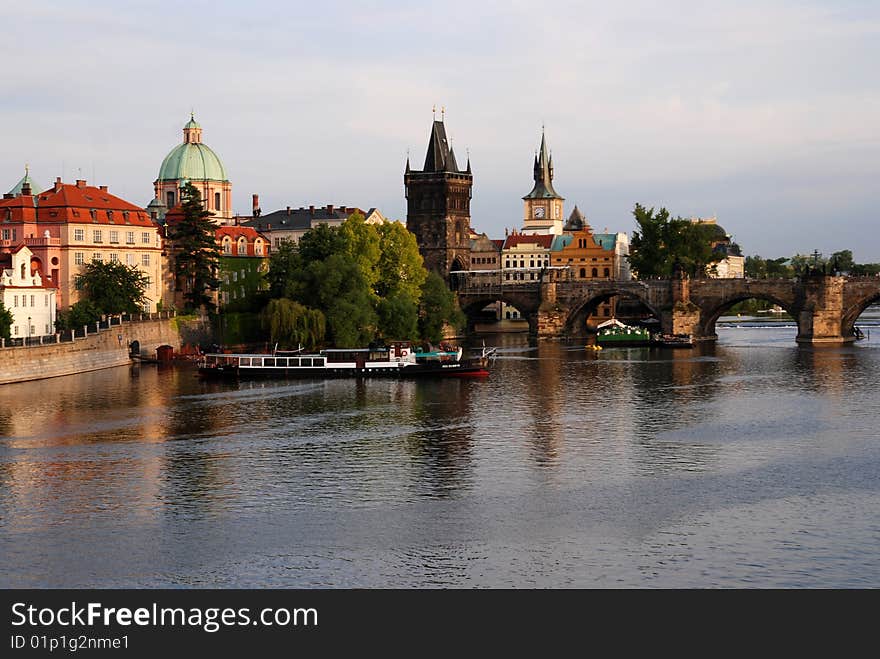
column 79, row 333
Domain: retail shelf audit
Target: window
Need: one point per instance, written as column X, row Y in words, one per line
column 46, row 300
column 227, row 246
column 114, row 257
column 242, row 247
column 145, row 238
column 114, row 236
column 583, row 273
column 258, row 248
column 78, row 258
column 96, row 256
column 97, row 236
column 79, row 234
column 217, row 201
column 607, row 272
column 145, row 259
column 15, row 301
column 16, row 331
column 129, row 237
column 33, row 304
column 129, row 259
column 169, row 199
column 110, row 215
column 595, row 272
column 234, row 276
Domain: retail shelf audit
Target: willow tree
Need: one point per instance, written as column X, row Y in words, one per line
column 291, row 324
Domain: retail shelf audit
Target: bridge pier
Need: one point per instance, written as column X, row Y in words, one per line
column 820, row 322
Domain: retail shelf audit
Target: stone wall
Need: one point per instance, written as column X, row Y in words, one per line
column 102, row 350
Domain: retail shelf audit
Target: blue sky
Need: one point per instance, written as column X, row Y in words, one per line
column 766, row 114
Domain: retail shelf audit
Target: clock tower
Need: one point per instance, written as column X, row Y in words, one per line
column 542, row 206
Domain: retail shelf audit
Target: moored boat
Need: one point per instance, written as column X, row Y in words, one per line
column 400, row 359
column 614, row 333
column 674, row 341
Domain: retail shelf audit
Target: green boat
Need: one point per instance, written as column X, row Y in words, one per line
column 614, row 333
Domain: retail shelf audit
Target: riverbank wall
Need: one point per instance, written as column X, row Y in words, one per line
column 104, row 348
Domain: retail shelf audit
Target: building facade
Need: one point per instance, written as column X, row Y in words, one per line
column 23, row 292
column 69, row 225
column 244, row 261
column 438, row 209
column 194, row 162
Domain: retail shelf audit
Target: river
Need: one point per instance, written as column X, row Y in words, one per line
column 751, row 463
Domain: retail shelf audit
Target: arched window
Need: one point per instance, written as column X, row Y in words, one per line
column 227, row 246
column 22, row 271
column 607, row 272
column 583, row 273
column 595, row 272
column 242, row 247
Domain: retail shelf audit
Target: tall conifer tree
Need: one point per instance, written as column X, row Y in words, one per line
column 196, row 254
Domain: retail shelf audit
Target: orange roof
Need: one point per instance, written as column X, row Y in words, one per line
column 236, row 232
column 75, row 203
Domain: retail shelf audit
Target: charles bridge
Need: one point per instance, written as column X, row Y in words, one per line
column 555, row 304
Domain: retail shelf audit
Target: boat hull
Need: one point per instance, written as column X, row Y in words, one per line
column 459, row 369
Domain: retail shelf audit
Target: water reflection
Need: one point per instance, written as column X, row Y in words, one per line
column 753, row 459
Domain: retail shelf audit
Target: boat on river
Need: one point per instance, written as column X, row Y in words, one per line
column 400, row 359
column 614, row 333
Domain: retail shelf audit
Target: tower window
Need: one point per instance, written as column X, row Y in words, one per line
column 217, row 201
column 169, row 199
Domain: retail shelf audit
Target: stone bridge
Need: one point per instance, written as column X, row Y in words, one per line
column 824, row 307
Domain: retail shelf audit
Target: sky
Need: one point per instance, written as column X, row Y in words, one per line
column 763, row 114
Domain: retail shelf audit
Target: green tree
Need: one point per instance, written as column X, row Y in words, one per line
column 662, row 244
column 842, row 261
column 401, row 267
column 361, row 242
column 438, row 307
column 398, row 316
column 84, row 312
column 113, row 287
column 196, row 254
column 5, row 322
column 291, row 324
column 284, row 263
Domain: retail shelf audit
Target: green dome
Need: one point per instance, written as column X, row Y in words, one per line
column 193, row 161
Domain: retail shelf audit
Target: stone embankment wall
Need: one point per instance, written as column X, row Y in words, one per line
column 105, row 349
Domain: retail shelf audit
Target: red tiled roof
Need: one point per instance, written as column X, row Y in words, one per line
column 527, row 239
column 236, row 232
column 75, row 203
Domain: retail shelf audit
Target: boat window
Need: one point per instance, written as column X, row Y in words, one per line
column 319, row 361
column 305, row 361
column 281, row 361
column 268, row 361
column 293, row 362
column 244, row 361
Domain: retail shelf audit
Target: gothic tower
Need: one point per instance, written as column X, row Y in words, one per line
column 543, row 206
column 438, row 207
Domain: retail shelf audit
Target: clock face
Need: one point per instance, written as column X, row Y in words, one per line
column 539, row 211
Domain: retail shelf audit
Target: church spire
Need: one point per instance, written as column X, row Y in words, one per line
column 543, row 173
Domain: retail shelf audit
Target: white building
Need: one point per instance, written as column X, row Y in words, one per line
column 32, row 304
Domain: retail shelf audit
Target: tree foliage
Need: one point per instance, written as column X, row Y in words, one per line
column 6, row 321
column 662, row 244
column 367, row 280
column 113, row 287
column 84, row 312
column 196, row 254
column 438, row 308
column 291, row 324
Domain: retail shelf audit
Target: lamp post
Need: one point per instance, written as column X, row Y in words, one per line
column 29, row 330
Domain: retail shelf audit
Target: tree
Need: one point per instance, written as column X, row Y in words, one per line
column 438, row 308
column 842, row 261
column 401, row 267
column 662, row 244
column 196, row 255
column 292, row 324
column 6, row 321
column 84, row 312
column 398, row 316
column 284, row 263
column 113, row 287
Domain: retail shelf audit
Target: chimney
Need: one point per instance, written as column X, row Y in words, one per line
column 57, row 184
column 26, row 189
column 80, row 183
column 344, row 210
column 256, row 205
column 312, row 210
column 103, row 188
column 329, row 209
column 288, row 210
column 8, row 195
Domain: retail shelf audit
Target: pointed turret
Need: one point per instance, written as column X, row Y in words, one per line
column 451, row 165
column 576, row 221
column 437, row 157
column 543, row 188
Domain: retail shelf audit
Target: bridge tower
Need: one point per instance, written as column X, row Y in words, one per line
column 438, row 209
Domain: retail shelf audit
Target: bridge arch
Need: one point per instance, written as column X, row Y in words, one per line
column 472, row 305
column 855, row 309
column 710, row 314
column 580, row 310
